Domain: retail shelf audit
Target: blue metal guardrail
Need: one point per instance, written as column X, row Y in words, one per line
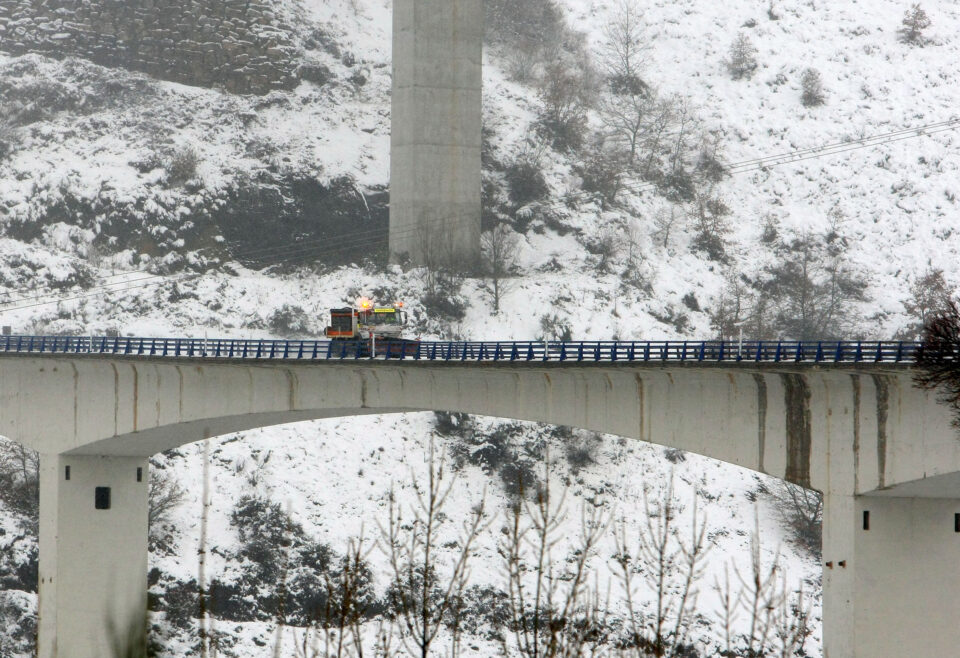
column 587, row 351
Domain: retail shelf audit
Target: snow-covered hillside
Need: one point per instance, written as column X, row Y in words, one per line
column 109, row 176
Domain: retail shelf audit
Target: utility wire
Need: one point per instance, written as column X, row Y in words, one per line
column 303, row 250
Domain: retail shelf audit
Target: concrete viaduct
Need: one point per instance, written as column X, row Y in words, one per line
column 883, row 453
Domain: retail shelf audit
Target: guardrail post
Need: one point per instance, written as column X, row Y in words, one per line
column 859, row 356
column 879, row 353
column 530, row 352
column 838, row 357
column 900, row 352
column 819, row 357
column 580, row 352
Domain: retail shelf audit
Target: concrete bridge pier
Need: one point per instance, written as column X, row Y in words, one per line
column 435, row 178
column 93, row 554
column 891, row 576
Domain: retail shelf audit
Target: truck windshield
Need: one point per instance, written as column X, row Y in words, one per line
column 381, row 317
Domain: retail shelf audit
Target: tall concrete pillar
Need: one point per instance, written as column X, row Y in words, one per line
column 93, row 555
column 896, row 592
column 435, row 144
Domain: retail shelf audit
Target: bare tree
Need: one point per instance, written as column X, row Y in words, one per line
column 629, row 108
column 742, row 59
column 915, row 21
column 801, row 511
column 671, row 568
column 928, row 295
column 501, row 248
column 421, row 597
column 729, row 313
column 633, row 273
column 20, row 479
column 814, row 287
column 939, row 357
column 165, row 495
column 553, row 612
column 664, row 223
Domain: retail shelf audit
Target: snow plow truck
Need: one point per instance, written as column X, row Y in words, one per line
column 367, row 329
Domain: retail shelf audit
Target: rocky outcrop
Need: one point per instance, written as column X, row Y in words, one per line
column 242, row 46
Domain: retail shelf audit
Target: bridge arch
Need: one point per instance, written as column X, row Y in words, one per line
column 788, row 422
column 860, row 433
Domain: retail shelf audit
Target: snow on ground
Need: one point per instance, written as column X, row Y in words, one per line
column 897, row 202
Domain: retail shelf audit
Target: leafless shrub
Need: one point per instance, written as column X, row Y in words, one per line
column 564, row 97
column 708, row 214
column 9, row 139
column 182, row 166
column 554, row 327
column 442, row 274
column 526, row 179
column 339, row 627
column 605, row 247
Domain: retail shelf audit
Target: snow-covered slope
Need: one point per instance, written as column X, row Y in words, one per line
column 94, row 162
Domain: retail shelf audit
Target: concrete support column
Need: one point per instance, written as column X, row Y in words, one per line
column 435, row 144
column 93, row 554
column 839, row 587
column 897, row 594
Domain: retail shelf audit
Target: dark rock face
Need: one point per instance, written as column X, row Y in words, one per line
column 241, row 46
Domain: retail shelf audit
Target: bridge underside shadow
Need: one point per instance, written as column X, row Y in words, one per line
column 855, row 434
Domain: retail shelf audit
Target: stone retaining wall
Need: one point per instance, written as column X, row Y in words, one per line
column 239, row 45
